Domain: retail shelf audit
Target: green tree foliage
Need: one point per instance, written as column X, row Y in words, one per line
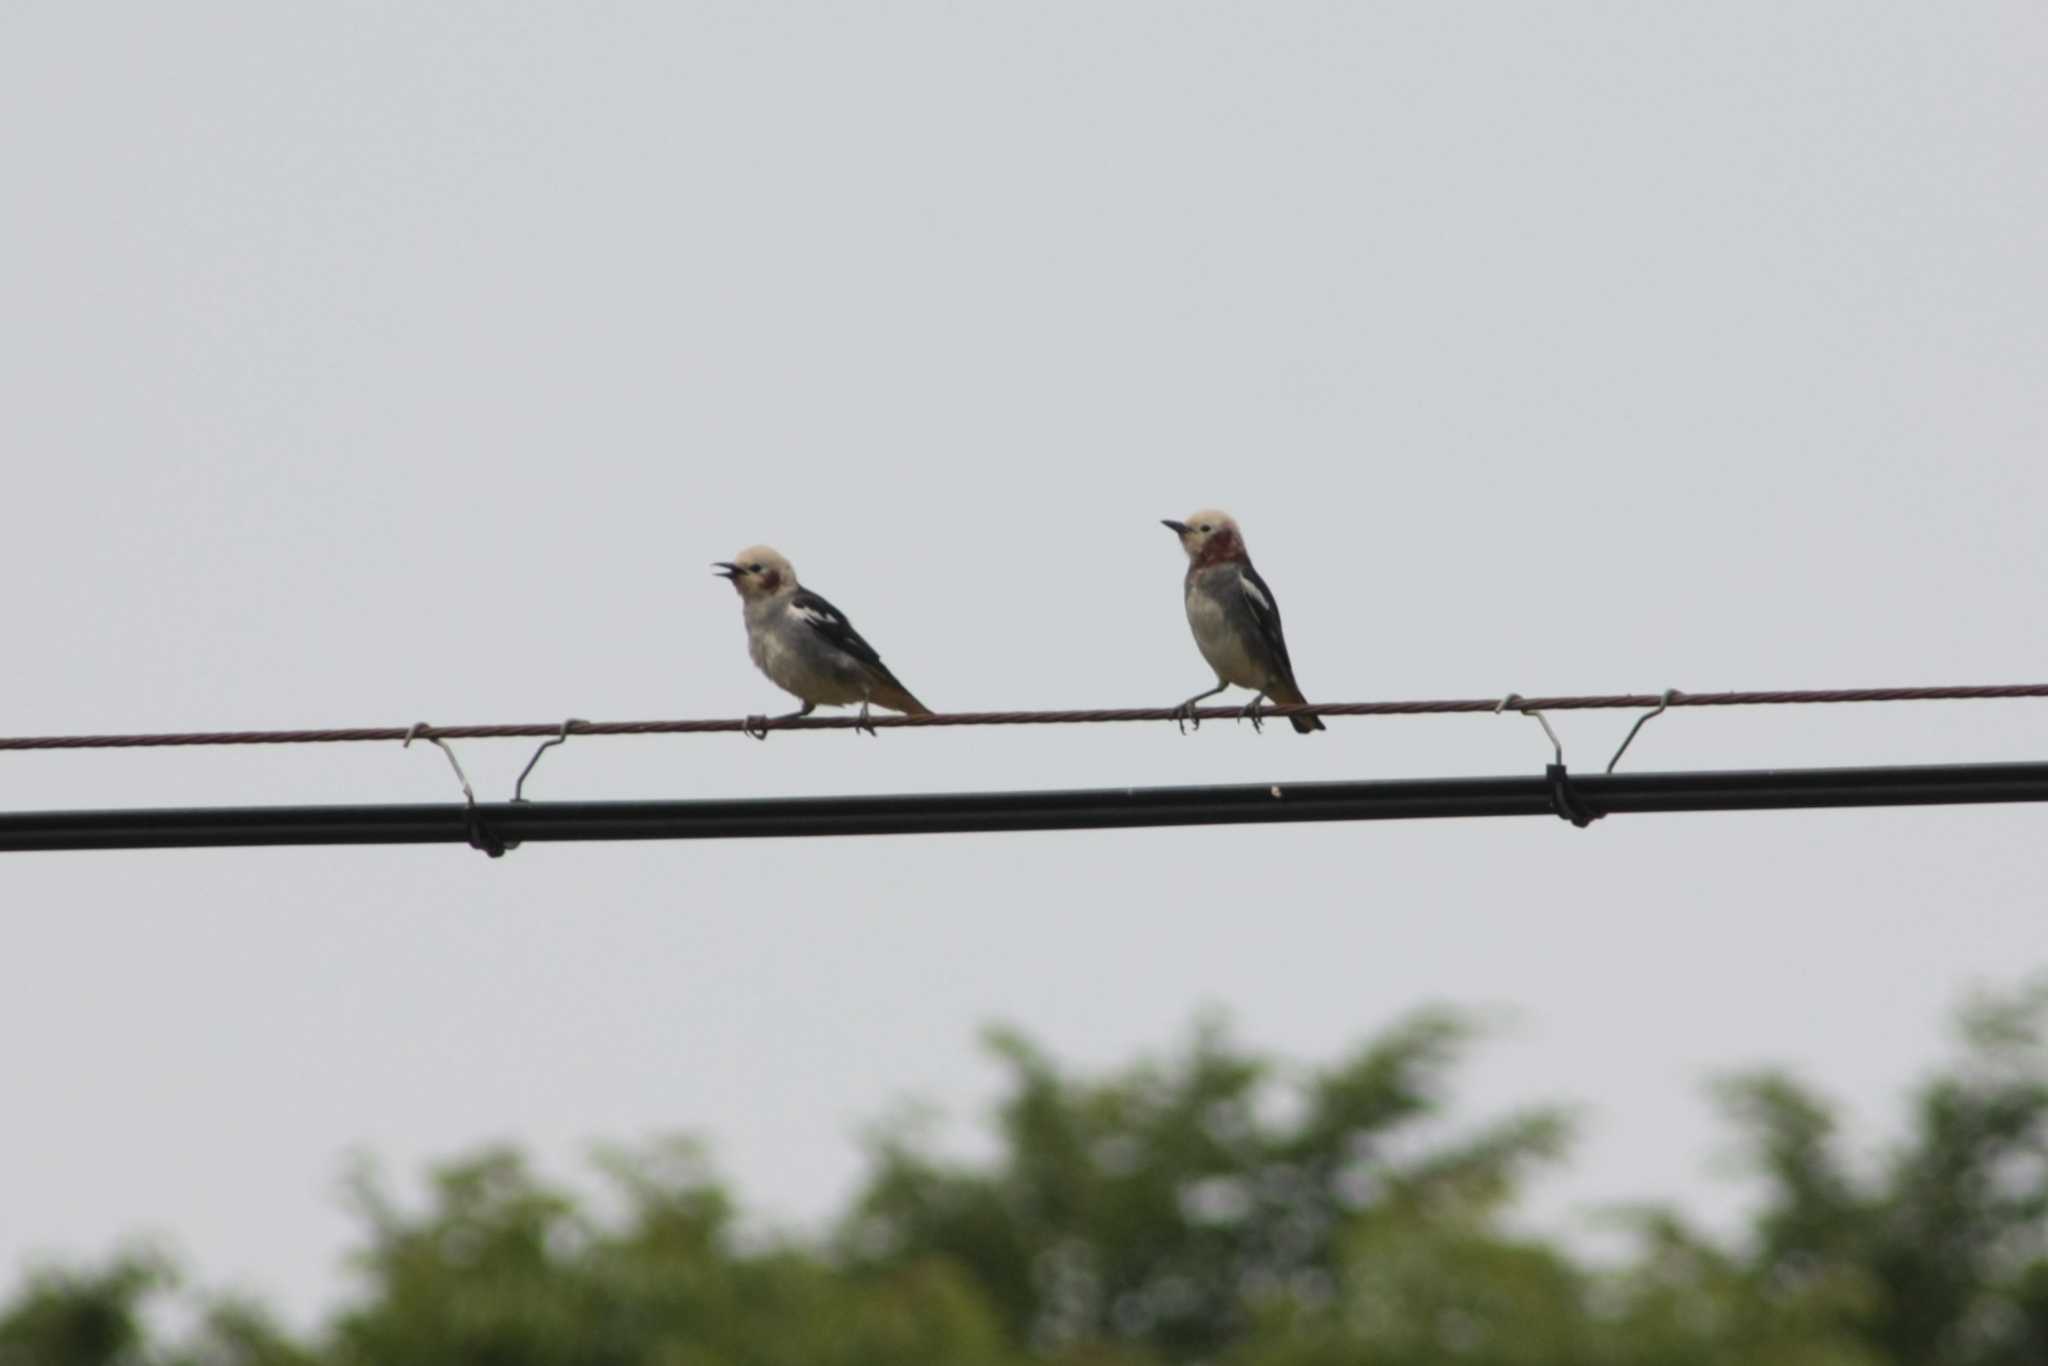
column 1941, row 1256
column 1160, row 1208
column 1208, row 1207
column 504, row 1269
column 83, row 1318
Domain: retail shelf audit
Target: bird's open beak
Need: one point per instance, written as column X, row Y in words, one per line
column 1177, row 528
column 726, row 569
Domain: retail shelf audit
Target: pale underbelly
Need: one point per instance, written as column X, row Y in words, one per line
column 811, row 677
column 1224, row 647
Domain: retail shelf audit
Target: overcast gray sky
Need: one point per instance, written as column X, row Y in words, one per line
column 374, row 363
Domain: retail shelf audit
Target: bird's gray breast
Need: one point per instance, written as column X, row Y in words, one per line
column 800, row 661
column 1224, row 628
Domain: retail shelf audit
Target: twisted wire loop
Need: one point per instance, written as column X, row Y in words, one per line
column 738, row 725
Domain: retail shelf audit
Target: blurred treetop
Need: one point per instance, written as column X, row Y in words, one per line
column 1207, row 1207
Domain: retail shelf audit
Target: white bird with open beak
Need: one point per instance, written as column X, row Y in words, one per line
column 805, row 645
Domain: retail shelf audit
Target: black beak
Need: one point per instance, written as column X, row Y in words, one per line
column 726, row 569
column 1177, row 528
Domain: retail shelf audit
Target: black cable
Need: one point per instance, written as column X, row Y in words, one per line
column 508, row 824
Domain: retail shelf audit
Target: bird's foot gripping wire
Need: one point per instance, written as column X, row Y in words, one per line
column 1254, row 714
column 1184, row 717
column 756, row 726
column 863, row 724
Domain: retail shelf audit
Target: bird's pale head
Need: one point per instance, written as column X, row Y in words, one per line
column 1209, row 537
column 758, row 572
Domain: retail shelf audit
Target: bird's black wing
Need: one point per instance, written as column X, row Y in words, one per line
column 831, row 623
column 1265, row 613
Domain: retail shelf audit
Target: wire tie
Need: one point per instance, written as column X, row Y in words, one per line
column 1663, row 705
column 481, row 836
column 1565, row 799
column 568, row 726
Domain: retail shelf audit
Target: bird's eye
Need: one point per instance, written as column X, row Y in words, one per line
column 753, row 569
column 1205, row 527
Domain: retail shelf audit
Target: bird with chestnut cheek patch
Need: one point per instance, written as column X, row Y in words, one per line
column 806, row 646
column 1236, row 620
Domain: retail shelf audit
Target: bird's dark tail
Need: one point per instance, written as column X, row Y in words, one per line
column 1290, row 696
column 896, row 697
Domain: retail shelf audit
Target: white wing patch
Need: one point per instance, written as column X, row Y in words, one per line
column 1251, row 590
column 811, row 616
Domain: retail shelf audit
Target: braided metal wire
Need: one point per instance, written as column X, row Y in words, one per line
column 743, row 725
